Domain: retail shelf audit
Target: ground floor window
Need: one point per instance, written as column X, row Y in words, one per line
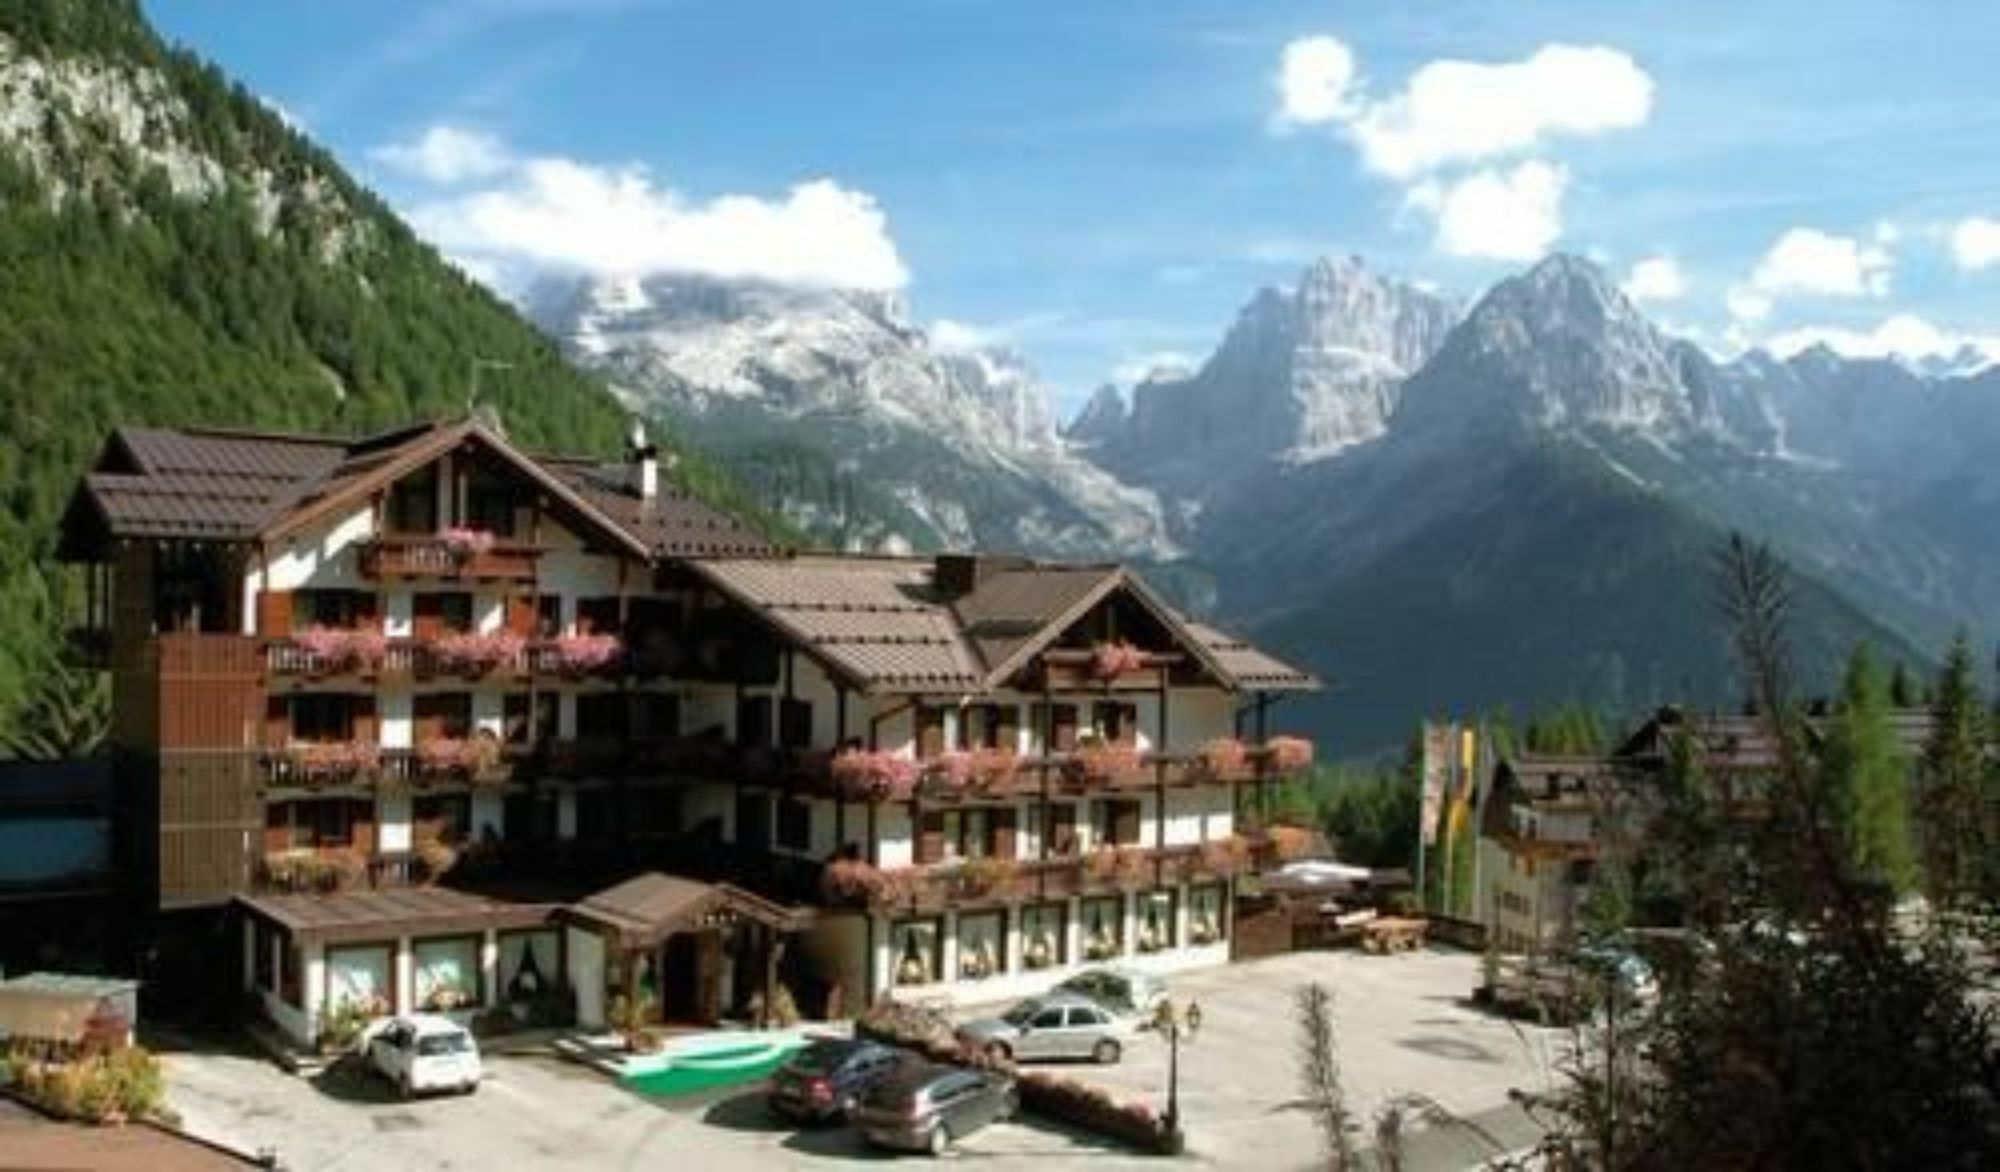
column 289, row 967
column 361, row 977
column 1206, row 919
column 1158, row 925
column 918, row 954
column 529, row 964
column 261, row 941
column 1044, row 935
column 1104, row 927
column 794, row 831
column 982, row 944
column 446, row 973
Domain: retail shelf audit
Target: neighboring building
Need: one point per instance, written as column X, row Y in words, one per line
column 354, row 666
column 1547, row 820
column 66, row 845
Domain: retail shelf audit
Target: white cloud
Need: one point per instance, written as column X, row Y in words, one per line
column 1807, row 260
column 1901, row 335
column 1747, row 304
column 1314, row 77
column 1500, row 215
column 1656, row 278
column 1975, row 243
column 958, row 336
column 446, row 155
column 1454, row 113
column 565, row 215
column 1137, row 368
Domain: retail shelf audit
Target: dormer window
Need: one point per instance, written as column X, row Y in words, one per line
column 412, row 503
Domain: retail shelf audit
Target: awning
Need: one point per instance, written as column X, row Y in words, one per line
column 644, row 911
column 354, row 916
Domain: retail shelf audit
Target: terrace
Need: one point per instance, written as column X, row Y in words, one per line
column 467, row 554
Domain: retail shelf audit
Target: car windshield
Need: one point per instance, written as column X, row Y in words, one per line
column 436, row 1045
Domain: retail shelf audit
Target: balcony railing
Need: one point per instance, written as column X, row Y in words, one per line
column 347, row 765
column 368, row 655
column 477, row 557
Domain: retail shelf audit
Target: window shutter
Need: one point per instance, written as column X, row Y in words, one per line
column 521, row 616
column 1004, row 833
column 1065, row 728
column 277, row 722
column 427, row 615
column 930, row 837
column 274, row 613
column 930, row 731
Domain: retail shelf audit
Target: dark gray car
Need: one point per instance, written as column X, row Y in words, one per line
column 825, row 1081
column 927, row 1108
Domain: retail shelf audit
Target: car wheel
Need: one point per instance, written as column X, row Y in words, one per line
column 1105, row 1052
column 939, row 1140
column 999, row 1051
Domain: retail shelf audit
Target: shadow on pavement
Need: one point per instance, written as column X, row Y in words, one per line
column 1454, row 1049
column 349, row 1080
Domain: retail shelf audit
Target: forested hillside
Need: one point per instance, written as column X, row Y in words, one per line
column 175, row 253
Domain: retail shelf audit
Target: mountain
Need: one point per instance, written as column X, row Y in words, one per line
column 176, row 254
column 852, row 421
column 1303, row 375
column 1531, row 525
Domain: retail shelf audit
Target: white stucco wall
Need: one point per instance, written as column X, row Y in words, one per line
column 393, row 825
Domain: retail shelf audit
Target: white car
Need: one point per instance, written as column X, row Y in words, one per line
column 422, row 1052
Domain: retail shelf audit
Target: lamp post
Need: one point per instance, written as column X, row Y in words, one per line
column 1172, row 1021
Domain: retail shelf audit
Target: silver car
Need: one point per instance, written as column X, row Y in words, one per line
column 1057, row 1026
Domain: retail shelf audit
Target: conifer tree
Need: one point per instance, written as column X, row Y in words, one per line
column 1954, row 818
column 1868, row 776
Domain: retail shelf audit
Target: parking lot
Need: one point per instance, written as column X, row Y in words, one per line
column 1403, row 1026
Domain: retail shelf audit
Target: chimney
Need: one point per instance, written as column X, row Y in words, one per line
column 955, row 575
column 643, row 464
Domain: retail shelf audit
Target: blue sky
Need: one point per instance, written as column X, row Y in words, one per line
column 1102, row 184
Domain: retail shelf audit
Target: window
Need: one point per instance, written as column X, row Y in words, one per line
column 436, row 613
column 990, row 726
column 490, row 506
column 313, row 823
column 444, row 817
column 530, row 963
column 982, row 945
column 1103, row 920
column 412, row 503
column 361, row 975
column 968, row 834
column 794, row 824
column 334, row 608
column 1116, row 722
column 1054, row 727
column 289, row 987
column 321, row 717
column 1207, row 921
column 1115, row 821
column 548, row 616
column 795, row 724
column 445, row 973
column 601, row 716
column 1084, row 1016
column 530, row 724
column 442, row 714
column 753, row 721
column 1047, row 1019
column 1044, row 935
column 1158, row 928
column 598, row 616
column 261, row 940
column 917, row 952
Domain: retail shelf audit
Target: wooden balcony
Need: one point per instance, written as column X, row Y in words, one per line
column 432, row 556
column 422, row 659
column 984, row 881
column 364, row 767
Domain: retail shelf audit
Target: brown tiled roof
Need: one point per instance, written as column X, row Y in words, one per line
column 1009, row 610
column 1250, row 668
column 648, row 908
column 874, row 621
column 382, row 914
column 671, row 524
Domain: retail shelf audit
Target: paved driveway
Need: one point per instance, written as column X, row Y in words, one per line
column 1401, row 1021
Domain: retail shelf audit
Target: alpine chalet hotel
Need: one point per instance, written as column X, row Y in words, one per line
column 424, row 721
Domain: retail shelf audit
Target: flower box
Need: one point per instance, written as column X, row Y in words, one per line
column 473, row 655
column 462, row 544
column 335, row 762
column 1109, row 661
column 855, row 883
column 335, row 649
column 472, row 757
column 1223, row 757
column 1099, row 762
column 1289, row 754
column 862, row 775
column 580, row 655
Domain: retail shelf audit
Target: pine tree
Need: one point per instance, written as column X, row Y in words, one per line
column 67, row 715
column 1904, row 691
column 1954, row 820
column 1866, row 773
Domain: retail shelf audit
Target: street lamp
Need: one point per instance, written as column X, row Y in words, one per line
column 1172, row 1021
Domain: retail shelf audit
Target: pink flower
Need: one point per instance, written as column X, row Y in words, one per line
column 867, row 776
column 1111, row 660
column 582, row 654
column 1223, row 755
column 1290, row 754
column 465, row 542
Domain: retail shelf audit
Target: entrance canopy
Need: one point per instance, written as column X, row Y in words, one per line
column 644, row 911
column 352, row 916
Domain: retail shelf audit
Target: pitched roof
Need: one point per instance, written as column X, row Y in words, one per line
column 243, row 486
column 1009, row 612
column 874, row 621
column 648, row 908
column 671, row 524
column 1252, row 669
